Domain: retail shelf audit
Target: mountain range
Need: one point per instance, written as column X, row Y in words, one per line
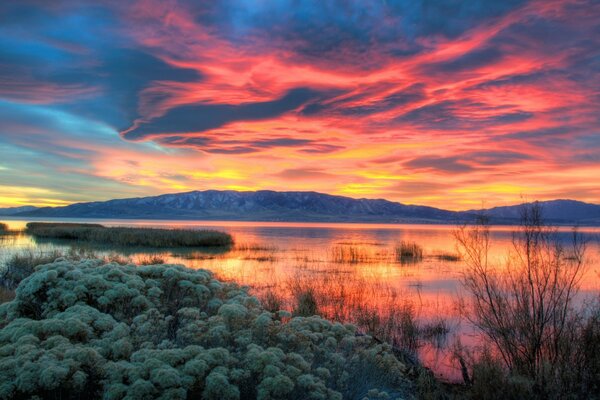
column 266, row 205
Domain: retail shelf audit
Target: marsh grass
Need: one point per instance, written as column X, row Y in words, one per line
column 255, row 247
column 436, row 332
column 337, row 294
column 447, row 256
column 20, row 265
column 150, row 259
column 150, row 237
column 272, row 301
column 409, row 252
column 349, row 254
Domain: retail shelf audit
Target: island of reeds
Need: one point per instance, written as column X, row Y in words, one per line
column 126, row 236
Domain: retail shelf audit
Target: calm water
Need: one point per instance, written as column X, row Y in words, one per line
column 352, row 268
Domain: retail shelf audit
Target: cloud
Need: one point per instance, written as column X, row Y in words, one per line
column 218, row 145
column 198, row 118
column 170, row 96
column 441, row 164
column 304, row 174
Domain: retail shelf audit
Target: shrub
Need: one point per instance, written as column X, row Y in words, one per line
column 129, row 236
column 91, row 330
column 3, row 227
column 526, row 311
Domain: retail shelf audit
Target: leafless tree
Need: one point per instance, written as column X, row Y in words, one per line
column 525, row 306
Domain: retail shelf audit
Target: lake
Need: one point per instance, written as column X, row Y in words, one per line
column 352, row 270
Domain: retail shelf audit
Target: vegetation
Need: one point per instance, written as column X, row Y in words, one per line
column 22, row 264
column 540, row 342
column 3, row 227
column 129, row 236
column 151, row 259
column 6, row 294
column 409, row 252
column 445, row 256
column 89, row 330
column 349, row 254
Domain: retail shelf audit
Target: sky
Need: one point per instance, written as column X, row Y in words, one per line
column 447, row 103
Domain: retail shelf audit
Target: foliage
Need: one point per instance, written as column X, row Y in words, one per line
column 89, row 330
column 3, row 227
column 121, row 236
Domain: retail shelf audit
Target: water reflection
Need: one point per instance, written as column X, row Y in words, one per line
column 353, row 271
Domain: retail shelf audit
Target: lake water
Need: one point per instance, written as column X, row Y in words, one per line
column 351, row 268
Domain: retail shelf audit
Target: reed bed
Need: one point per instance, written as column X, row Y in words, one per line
column 446, row 256
column 119, row 236
column 349, row 254
column 409, row 252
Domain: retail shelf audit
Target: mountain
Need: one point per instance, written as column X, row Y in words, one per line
column 266, row 205
column 16, row 210
column 263, row 205
column 557, row 211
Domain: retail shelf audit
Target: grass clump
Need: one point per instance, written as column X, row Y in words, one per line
column 450, row 257
column 6, row 295
column 21, row 265
column 348, row 254
column 409, row 252
column 120, row 236
column 94, row 330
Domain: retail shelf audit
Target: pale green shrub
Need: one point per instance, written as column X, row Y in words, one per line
column 93, row 330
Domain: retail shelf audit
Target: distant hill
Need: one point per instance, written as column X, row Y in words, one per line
column 267, row 205
column 558, row 211
column 16, row 210
column 263, row 205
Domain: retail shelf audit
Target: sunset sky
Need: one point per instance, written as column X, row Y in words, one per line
column 446, row 103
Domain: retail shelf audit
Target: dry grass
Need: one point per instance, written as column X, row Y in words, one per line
column 150, row 259
column 21, row 265
column 349, row 254
column 6, row 295
column 255, row 247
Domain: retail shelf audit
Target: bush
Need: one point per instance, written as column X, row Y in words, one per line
column 540, row 338
column 129, row 236
column 91, row 330
column 3, row 227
